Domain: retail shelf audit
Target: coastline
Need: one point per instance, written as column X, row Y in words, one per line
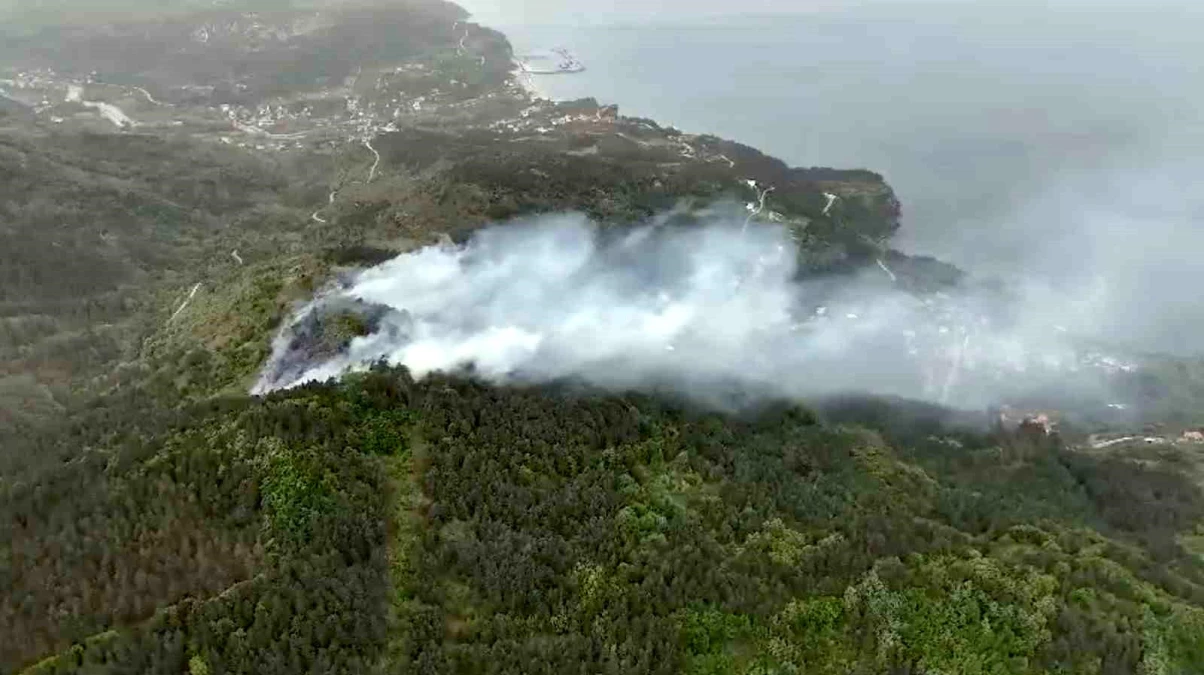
column 526, row 81
column 553, row 87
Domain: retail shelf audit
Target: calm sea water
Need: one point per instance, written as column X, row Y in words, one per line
column 1066, row 143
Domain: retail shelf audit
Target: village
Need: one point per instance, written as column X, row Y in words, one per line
column 1047, row 423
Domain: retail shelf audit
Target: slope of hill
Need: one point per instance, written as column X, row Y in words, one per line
column 450, row 526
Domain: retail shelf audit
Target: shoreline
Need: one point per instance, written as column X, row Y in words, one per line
column 526, row 81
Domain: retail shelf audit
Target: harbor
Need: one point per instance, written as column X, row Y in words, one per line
column 554, row 62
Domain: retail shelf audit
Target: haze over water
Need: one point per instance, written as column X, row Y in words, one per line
column 1063, row 142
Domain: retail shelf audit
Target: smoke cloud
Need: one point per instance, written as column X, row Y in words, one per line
column 1128, row 233
column 705, row 308
column 1058, row 140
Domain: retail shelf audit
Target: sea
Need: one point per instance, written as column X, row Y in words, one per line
column 1061, row 141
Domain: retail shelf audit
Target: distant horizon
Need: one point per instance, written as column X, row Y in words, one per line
column 511, row 12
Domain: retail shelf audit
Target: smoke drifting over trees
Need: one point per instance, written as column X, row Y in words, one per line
column 707, row 308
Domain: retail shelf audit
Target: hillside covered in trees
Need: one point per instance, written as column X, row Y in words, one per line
column 383, row 525
column 155, row 518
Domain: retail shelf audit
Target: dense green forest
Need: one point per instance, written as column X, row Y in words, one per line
column 383, row 525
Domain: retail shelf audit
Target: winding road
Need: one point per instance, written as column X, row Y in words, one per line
column 184, row 305
column 151, row 98
column 372, row 171
column 320, row 219
column 831, row 200
column 463, row 38
column 755, row 211
column 317, row 215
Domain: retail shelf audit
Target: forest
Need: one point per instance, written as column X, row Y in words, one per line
column 386, row 525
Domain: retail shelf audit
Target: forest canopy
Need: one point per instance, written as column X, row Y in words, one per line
column 448, row 525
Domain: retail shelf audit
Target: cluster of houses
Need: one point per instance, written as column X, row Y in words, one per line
column 1043, row 423
column 1189, row 437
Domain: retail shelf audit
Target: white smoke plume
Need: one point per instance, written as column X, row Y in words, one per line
column 697, row 307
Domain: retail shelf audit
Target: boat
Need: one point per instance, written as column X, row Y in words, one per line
column 554, row 62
